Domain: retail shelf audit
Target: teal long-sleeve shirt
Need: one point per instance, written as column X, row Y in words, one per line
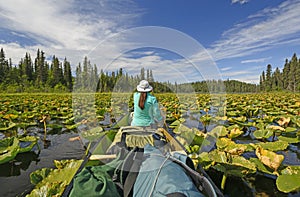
column 149, row 115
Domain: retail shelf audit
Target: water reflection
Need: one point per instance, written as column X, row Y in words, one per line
column 21, row 162
column 15, row 175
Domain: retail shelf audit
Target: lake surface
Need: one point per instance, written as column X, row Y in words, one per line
column 15, row 176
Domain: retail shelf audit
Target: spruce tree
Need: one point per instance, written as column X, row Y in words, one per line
column 268, row 78
column 68, row 75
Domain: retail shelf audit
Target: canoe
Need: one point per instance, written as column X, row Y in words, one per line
column 111, row 143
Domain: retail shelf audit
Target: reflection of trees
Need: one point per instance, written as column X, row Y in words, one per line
column 21, row 162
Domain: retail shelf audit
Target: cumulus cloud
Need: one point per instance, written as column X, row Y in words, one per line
column 64, row 26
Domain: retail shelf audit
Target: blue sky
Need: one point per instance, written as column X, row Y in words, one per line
column 238, row 37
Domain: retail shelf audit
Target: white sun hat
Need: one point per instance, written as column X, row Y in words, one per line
column 144, row 86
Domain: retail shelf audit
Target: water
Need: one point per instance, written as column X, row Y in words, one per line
column 15, row 176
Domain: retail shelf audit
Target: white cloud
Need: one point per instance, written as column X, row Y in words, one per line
column 236, row 73
column 239, row 1
column 271, row 27
column 178, row 70
column 248, row 74
column 226, row 68
column 253, row 79
column 64, row 28
column 255, row 60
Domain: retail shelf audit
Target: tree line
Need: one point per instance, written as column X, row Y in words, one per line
column 55, row 75
column 287, row 79
column 35, row 75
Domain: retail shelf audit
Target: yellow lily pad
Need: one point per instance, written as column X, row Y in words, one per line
column 269, row 158
column 284, row 121
column 274, row 127
column 231, row 147
column 235, row 132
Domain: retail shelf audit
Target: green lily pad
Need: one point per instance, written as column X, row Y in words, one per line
column 219, row 131
column 260, row 166
column 218, row 156
column 260, row 134
column 241, row 119
column 291, row 170
column 9, row 148
column 26, row 124
column 73, row 126
column 289, row 139
column 29, row 147
column 176, row 123
column 181, row 129
column 274, row 146
column 290, row 129
column 191, row 136
column 205, row 119
column 232, row 113
column 232, row 164
column 54, row 182
column 276, row 128
column 69, row 121
column 288, row 183
column 204, row 160
column 10, row 126
column 55, row 126
column 93, row 134
column 39, row 175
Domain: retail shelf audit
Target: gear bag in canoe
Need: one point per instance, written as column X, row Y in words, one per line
column 145, row 165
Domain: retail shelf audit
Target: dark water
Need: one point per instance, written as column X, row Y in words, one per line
column 15, row 176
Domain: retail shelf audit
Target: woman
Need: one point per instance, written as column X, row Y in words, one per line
column 146, row 109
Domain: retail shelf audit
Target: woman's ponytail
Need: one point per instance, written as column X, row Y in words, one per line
column 142, row 100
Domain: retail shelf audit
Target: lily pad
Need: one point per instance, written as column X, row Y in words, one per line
column 284, row 121
column 231, row 147
column 219, row 131
column 289, row 139
column 261, row 167
column 276, row 128
column 261, row 134
column 10, row 126
column 232, row 164
column 290, row 129
column 39, row 175
column 274, row 146
column 176, row 123
column 269, row 158
column 54, row 182
column 235, row 132
column 291, row 170
column 93, row 134
column 31, row 141
column 9, row 148
column 288, row 183
column 181, row 129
